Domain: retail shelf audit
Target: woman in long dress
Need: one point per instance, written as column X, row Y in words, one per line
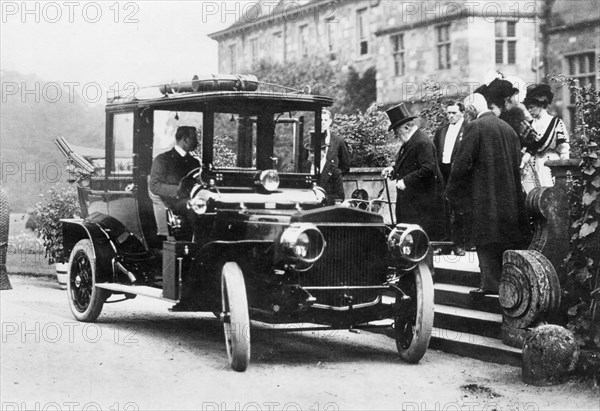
column 550, row 142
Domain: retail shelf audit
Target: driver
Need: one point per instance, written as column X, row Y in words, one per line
column 170, row 167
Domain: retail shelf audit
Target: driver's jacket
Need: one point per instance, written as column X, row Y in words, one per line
column 167, row 170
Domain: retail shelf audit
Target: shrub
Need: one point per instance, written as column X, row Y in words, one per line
column 370, row 144
column 582, row 291
column 59, row 202
column 433, row 113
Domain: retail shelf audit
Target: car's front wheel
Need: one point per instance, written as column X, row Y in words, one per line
column 85, row 299
column 235, row 316
column 414, row 319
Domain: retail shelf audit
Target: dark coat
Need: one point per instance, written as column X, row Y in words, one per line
column 440, row 139
column 485, row 179
column 337, row 165
column 168, row 169
column 422, row 201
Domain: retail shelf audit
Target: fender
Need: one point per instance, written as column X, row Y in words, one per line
column 104, row 248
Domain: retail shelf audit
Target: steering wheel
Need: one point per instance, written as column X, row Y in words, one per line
column 188, row 182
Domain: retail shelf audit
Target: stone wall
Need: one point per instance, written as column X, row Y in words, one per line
column 566, row 41
column 337, row 18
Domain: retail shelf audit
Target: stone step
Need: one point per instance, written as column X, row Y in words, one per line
column 474, row 346
column 468, row 321
column 463, row 326
column 458, row 296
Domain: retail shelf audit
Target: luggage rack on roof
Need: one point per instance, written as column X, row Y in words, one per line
column 205, row 84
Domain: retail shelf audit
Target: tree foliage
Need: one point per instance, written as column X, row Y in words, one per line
column 349, row 90
column 359, row 92
column 370, row 144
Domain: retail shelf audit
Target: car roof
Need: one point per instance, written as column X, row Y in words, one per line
column 249, row 102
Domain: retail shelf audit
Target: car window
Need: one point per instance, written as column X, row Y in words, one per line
column 166, row 124
column 234, row 144
column 123, row 143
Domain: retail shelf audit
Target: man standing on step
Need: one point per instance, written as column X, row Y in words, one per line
column 446, row 141
column 485, row 178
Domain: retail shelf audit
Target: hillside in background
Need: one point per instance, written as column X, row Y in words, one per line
column 29, row 123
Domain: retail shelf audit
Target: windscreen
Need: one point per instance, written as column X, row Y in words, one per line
column 268, row 140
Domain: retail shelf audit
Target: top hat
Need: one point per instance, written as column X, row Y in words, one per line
column 399, row 115
column 539, row 94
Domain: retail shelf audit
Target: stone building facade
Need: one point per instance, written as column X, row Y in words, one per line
column 456, row 43
column 573, row 36
column 342, row 31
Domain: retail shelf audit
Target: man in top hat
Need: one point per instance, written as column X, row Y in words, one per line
column 418, row 178
column 335, row 161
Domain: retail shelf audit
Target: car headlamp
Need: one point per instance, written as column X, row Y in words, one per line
column 198, row 205
column 202, row 200
column 408, row 243
column 302, row 242
column 269, row 179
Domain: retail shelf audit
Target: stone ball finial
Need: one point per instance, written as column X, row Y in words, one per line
column 550, row 353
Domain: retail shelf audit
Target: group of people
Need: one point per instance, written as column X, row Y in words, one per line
column 477, row 170
column 470, row 180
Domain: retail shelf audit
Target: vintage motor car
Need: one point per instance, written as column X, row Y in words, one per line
column 260, row 240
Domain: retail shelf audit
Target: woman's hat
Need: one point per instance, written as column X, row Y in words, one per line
column 498, row 90
column 399, row 115
column 539, row 94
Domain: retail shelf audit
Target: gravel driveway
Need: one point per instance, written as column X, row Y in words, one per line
column 140, row 356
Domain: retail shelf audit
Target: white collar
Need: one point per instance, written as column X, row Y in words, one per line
column 180, row 150
column 458, row 123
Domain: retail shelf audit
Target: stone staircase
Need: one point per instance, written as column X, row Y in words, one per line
column 462, row 326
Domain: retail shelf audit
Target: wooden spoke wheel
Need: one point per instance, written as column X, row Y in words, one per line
column 235, row 317
column 85, row 299
column 414, row 320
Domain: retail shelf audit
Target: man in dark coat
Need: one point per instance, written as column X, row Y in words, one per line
column 170, row 167
column 485, row 179
column 418, row 178
column 446, row 140
column 335, row 162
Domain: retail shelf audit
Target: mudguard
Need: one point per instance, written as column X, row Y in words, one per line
column 75, row 230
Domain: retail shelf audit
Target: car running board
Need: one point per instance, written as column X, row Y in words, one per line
column 143, row 290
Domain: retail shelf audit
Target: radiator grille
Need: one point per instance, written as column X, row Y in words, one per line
column 355, row 256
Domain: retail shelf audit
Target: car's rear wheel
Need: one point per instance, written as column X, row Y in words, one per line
column 414, row 320
column 85, row 299
column 235, row 316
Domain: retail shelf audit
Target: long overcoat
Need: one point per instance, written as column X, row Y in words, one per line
column 422, row 201
column 485, row 179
